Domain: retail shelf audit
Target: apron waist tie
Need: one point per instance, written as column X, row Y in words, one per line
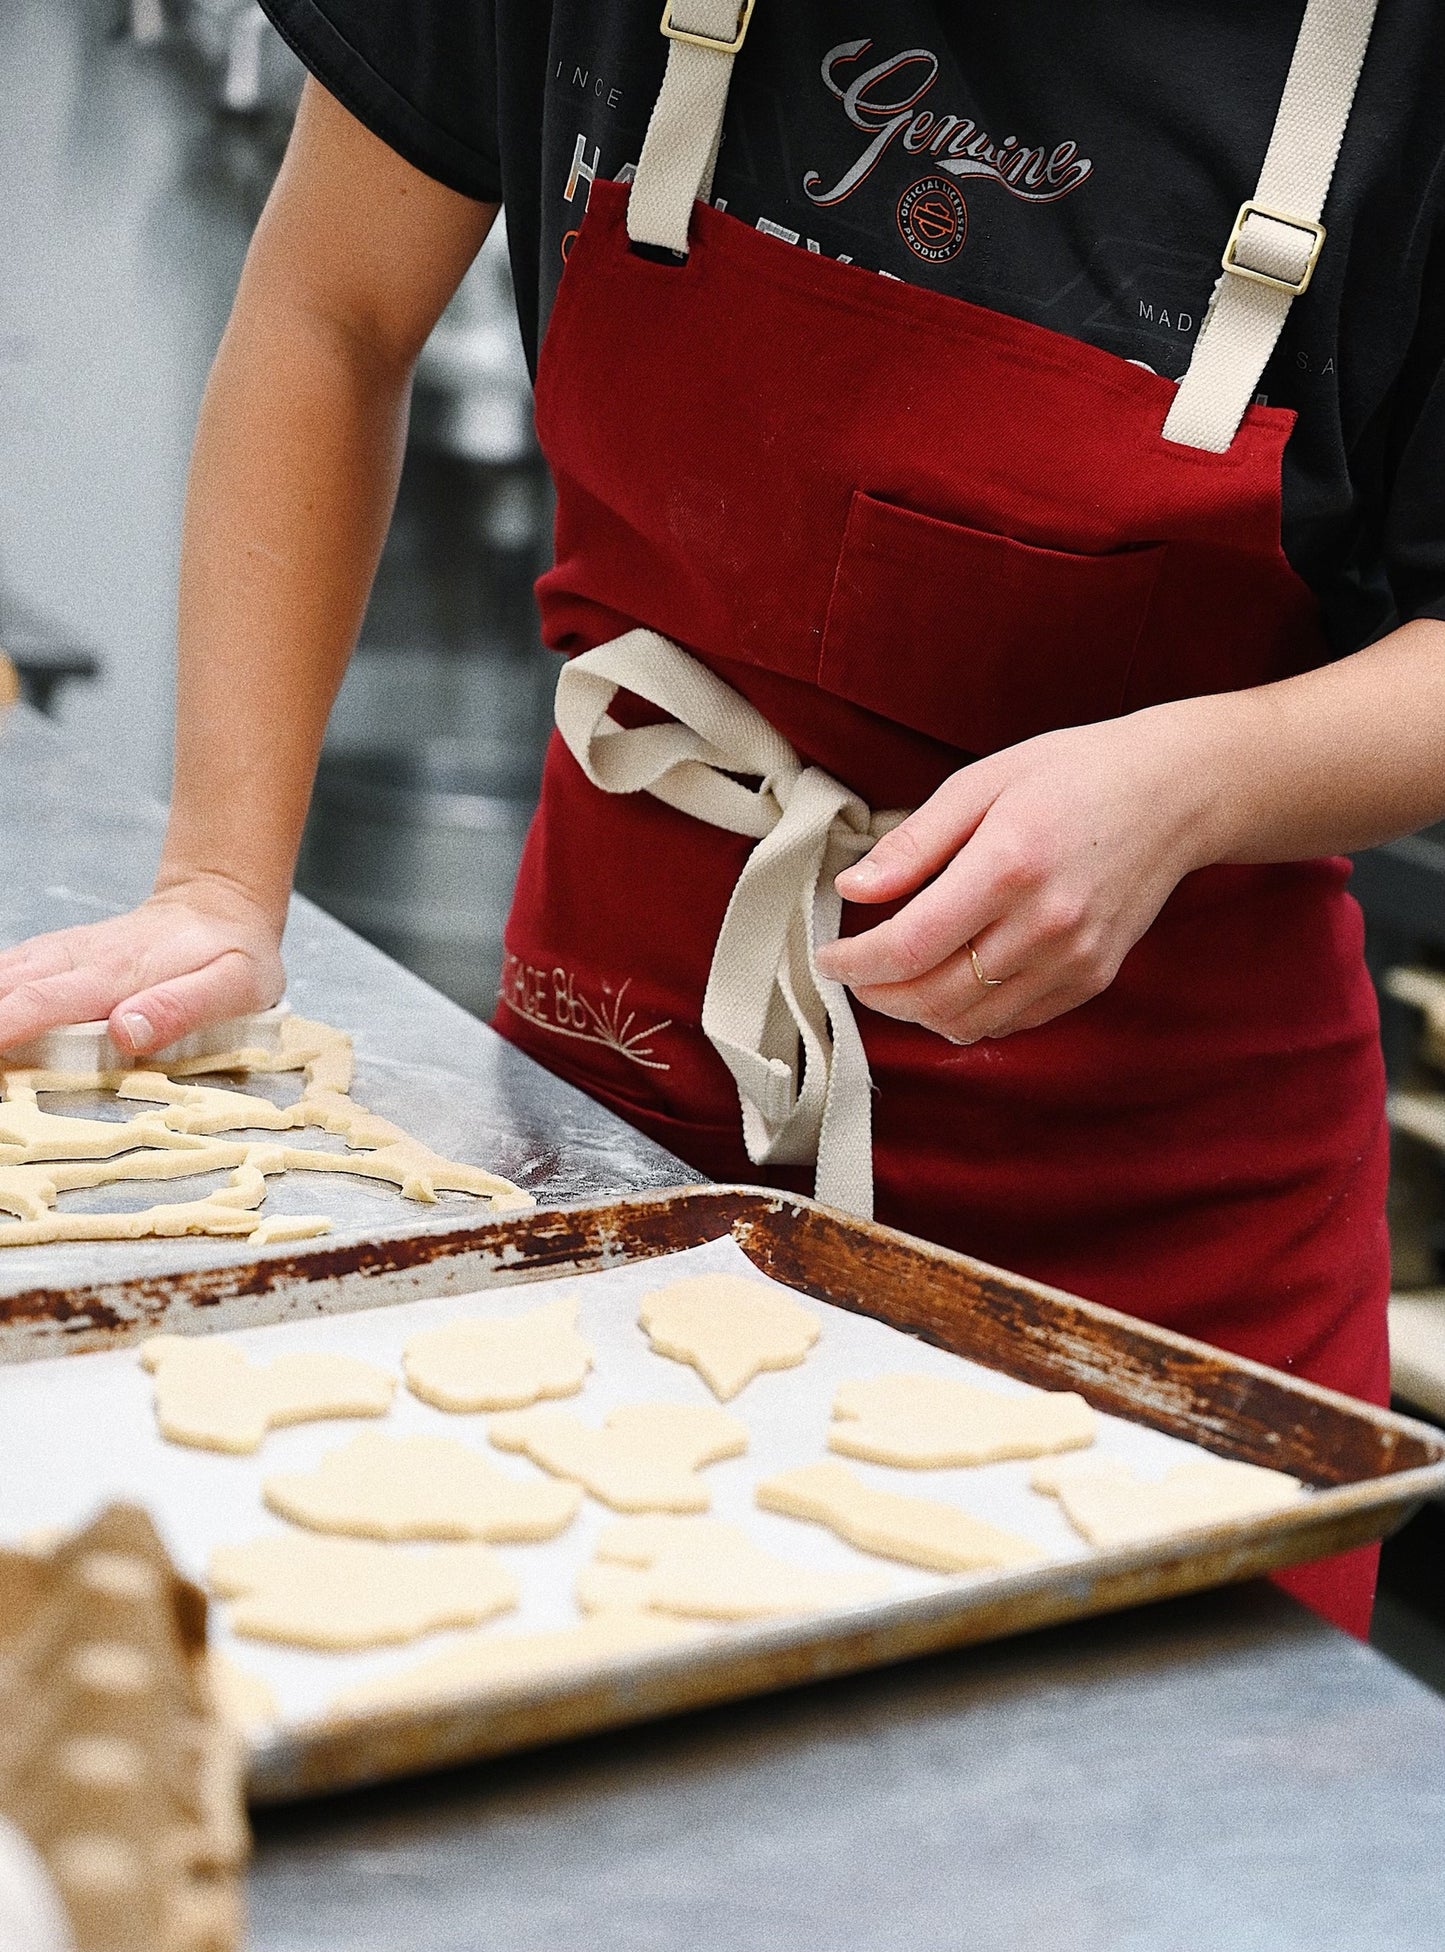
column 786, row 1033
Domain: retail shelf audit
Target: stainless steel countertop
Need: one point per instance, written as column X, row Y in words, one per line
column 1224, row 1774
column 77, row 846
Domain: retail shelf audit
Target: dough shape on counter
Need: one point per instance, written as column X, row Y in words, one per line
column 230, row 1211
column 1108, row 1505
column 31, row 1136
column 728, row 1328
column 306, row 1590
column 499, row 1660
column 931, row 1422
column 383, row 1487
column 43, row 1155
column 704, row 1569
column 920, row 1531
column 506, row 1363
column 243, row 1699
column 209, row 1396
column 645, row 1458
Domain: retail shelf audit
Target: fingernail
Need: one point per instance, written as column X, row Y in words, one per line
column 862, row 874
column 139, row 1031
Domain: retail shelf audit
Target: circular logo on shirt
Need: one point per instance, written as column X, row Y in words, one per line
column 933, row 219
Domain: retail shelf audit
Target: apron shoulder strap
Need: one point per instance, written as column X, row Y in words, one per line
column 680, row 149
column 1277, row 236
column 1268, row 261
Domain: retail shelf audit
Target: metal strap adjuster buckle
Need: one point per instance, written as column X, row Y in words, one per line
column 745, row 14
column 1294, row 287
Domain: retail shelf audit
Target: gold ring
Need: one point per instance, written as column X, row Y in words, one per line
column 989, row 982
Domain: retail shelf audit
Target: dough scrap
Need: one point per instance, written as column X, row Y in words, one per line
column 309, row 1591
column 645, row 1458
column 209, row 1396
column 1108, row 1505
column 243, row 1699
column 230, row 1210
column 383, row 1487
column 43, row 1155
column 704, row 1569
column 920, row 1531
column 203, row 1110
column 30, row 1136
column 728, row 1328
column 485, row 1363
column 930, row 1422
column 499, row 1660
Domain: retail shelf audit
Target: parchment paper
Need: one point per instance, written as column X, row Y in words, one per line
column 80, row 1430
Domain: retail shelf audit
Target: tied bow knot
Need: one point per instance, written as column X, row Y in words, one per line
column 785, row 1031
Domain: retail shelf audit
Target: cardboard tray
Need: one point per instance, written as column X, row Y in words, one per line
column 1370, row 1468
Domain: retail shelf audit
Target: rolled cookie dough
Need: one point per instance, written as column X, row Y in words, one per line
column 728, row 1328
column 920, row 1531
column 208, row 1395
column 929, row 1422
column 646, row 1458
column 704, row 1569
column 383, row 1487
column 1108, row 1505
column 480, row 1363
column 500, row 1660
column 309, row 1591
column 42, row 1155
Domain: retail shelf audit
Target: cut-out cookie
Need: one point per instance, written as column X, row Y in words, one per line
column 703, row 1569
column 1108, row 1505
column 930, row 1422
column 919, row 1531
column 208, row 1395
column 646, row 1458
column 728, row 1328
column 383, row 1487
column 481, row 1363
column 310, row 1591
column 500, row 1660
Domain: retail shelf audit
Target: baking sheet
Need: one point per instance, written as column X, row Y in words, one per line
column 80, row 1430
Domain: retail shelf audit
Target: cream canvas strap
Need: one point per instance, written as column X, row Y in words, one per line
column 1277, row 235
column 785, row 1032
column 680, row 148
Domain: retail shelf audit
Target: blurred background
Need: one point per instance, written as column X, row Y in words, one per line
column 138, row 139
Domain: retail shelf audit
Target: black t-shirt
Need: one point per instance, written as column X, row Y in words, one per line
column 1076, row 166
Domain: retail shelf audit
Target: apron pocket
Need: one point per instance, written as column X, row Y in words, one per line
column 974, row 638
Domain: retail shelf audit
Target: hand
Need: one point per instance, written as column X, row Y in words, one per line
column 1050, row 858
column 194, row 952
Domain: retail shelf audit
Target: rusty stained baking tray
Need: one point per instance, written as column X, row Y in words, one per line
column 1370, row 1468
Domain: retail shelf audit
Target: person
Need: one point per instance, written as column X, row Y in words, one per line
column 942, row 568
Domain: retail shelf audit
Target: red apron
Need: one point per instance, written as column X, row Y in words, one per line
column 910, row 531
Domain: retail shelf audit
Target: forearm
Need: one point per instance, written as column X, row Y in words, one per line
column 294, row 473
column 292, row 482
column 1335, row 760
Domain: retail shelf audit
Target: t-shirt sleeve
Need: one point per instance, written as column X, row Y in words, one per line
column 1414, row 524
column 420, row 74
